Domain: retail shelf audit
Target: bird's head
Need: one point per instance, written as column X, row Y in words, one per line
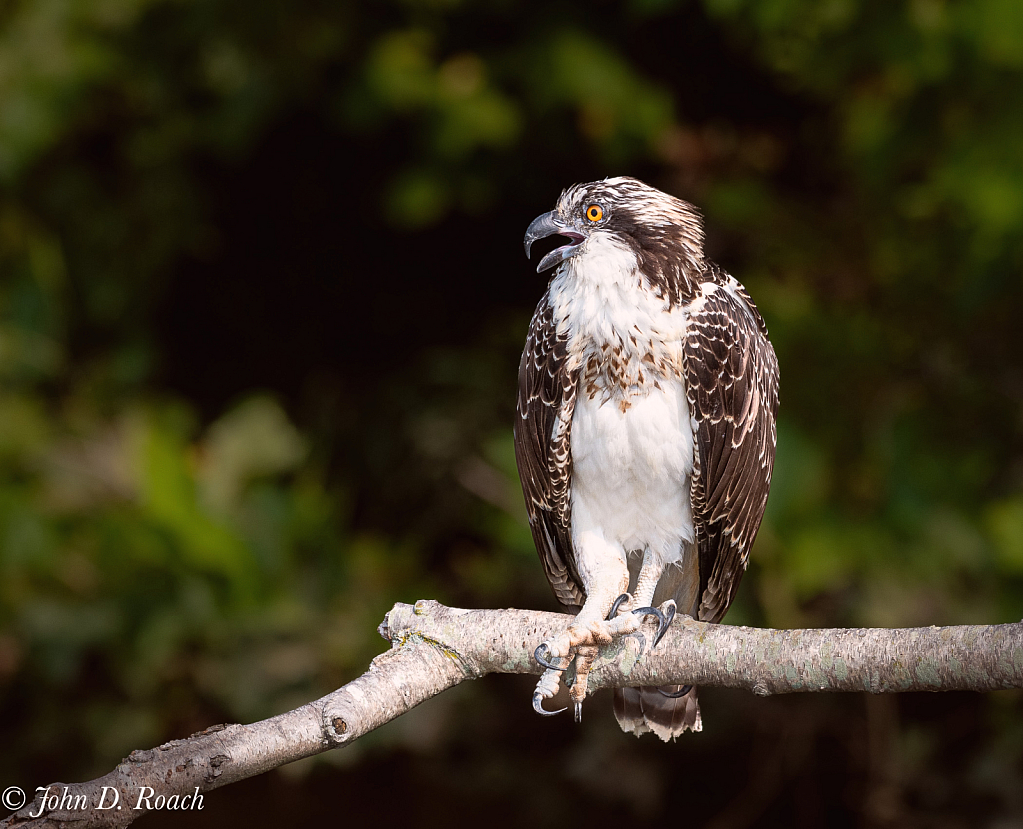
column 664, row 232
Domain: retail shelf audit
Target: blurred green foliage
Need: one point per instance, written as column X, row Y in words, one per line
column 168, row 561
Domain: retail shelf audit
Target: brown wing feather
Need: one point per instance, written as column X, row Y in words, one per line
column 732, row 379
column 546, row 400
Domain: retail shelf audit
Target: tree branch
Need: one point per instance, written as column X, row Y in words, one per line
column 435, row 647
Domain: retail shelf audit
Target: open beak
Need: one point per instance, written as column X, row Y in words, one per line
column 547, row 225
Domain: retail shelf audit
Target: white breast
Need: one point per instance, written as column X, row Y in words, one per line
column 631, row 473
column 632, row 457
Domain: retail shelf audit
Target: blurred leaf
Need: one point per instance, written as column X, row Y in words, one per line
column 1005, row 522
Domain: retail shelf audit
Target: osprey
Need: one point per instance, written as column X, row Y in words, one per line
column 645, row 436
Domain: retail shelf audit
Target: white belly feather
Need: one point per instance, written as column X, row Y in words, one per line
column 630, row 476
column 631, row 464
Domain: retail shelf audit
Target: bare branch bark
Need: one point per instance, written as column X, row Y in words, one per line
column 435, row 647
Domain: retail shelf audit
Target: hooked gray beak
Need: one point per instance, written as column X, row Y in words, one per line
column 547, row 225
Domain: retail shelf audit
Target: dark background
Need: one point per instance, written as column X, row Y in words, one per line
column 262, row 300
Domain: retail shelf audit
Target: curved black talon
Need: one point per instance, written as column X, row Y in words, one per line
column 538, row 707
column 543, row 660
column 618, row 603
column 653, row 611
column 578, row 712
column 662, row 621
column 667, row 623
column 685, row 690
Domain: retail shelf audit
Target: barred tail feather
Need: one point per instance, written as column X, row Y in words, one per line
column 639, row 710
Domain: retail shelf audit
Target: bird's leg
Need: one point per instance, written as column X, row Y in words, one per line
column 595, row 627
column 646, row 584
column 634, row 608
column 626, row 615
column 588, row 630
column 646, row 581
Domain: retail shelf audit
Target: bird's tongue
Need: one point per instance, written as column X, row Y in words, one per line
column 559, row 254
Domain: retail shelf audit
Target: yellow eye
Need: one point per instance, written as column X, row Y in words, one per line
column 594, row 212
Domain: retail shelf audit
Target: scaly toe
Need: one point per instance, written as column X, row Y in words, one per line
column 600, row 634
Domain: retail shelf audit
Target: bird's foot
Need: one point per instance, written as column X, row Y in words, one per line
column 625, row 604
column 557, row 653
column 625, row 618
column 581, row 642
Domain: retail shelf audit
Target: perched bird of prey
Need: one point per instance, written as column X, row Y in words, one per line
column 645, row 436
